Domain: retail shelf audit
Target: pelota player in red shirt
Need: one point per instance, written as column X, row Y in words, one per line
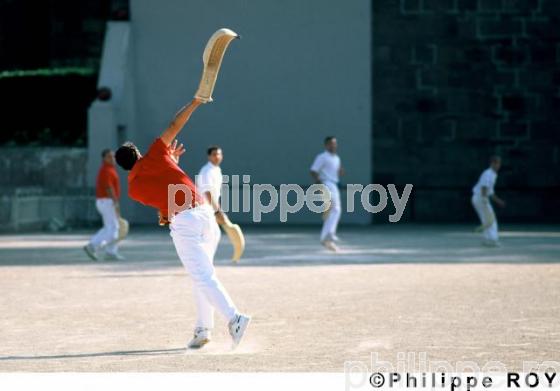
column 107, row 194
column 192, row 229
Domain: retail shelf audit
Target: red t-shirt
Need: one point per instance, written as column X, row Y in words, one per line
column 107, row 177
column 151, row 176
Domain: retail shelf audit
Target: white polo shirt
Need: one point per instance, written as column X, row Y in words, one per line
column 327, row 165
column 210, row 179
column 488, row 180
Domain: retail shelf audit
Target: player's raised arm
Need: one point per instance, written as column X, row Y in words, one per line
column 179, row 121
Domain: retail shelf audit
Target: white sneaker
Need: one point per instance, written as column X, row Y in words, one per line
column 114, row 257
column 491, row 243
column 335, row 238
column 237, row 327
column 201, row 337
column 90, row 251
column 329, row 244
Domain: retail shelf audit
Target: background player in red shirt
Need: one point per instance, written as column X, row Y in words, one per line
column 107, row 193
column 193, row 229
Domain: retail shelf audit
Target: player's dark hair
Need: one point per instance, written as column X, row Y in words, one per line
column 328, row 139
column 105, row 152
column 212, row 148
column 127, row 155
column 495, row 158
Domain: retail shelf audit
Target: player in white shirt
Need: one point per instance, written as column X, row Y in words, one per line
column 209, row 184
column 483, row 192
column 326, row 169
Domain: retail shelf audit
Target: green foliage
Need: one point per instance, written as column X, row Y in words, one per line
column 47, row 72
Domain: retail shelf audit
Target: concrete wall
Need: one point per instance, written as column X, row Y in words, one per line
column 301, row 72
column 32, row 209
column 109, row 121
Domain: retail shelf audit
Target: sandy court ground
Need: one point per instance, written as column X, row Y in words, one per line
column 392, row 289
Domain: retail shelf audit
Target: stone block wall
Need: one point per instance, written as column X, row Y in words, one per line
column 455, row 81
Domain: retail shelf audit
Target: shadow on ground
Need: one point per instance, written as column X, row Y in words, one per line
column 152, row 352
column 299, row 246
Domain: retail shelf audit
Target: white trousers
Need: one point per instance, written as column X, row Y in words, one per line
column 196, row 235
column 487, row 217
column 331, row 222
column 107, row 236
